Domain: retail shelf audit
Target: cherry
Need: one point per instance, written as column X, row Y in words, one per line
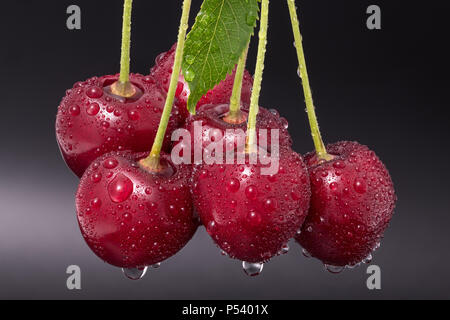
column 220, row 94
column 352, row 202
column 249, row 215
column 214, row 124
column 92, row 121
column 132, row 217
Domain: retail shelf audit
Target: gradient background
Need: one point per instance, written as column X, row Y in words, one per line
column 386, row 89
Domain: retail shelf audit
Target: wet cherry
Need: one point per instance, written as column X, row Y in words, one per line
column 131, row 217
column 352, row 203
column 92, row 121
column 249, row 215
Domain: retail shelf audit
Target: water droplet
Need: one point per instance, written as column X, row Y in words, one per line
column 110, row 163
column 368, row 259
column 74, row 110
column 133, row 115
column 251, row 192
column 333, row 186
column 334, row 269
column 189, row 75
column 252, row 269
column 96, row 177
column 285, row 249
column 233, row 185
column 120, row 188
column 93, row 109
column 135, row 273
column 359, row 186
column 254, row 218
column 251, row 18
column 189, row 59
column 270, row 205
column 284, row 123
column 156, row 265
column 96, row 203
column 339, row 165
column 94, row 92
column 306, row 253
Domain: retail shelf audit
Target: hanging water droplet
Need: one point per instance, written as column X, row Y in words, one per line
column 156, row 265
column 285, row 249
column 368, row 259
column 252, row 269
column 306, row 253
column 189, row 75
column 135, row 273
column 334, row 269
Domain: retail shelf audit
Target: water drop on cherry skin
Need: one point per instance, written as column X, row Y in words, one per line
column 94, row 92
column 120, row 188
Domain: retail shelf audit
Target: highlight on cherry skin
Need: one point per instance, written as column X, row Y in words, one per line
column 132, row 217
column 92, row 121
column 352, row 202
column 220, row 94
column 252, row 216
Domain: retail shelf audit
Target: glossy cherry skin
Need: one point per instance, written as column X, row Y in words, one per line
column 352, row 202
column 252, row 216
column 221, row 93
column 215, row 128
column 91, row 121
column 131, row 217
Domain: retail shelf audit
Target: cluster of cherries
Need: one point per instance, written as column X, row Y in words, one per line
column 136, row 208
column 133, row 217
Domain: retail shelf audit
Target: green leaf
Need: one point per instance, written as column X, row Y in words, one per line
column 220, row 34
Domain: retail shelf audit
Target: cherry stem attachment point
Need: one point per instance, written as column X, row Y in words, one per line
column 235, row 116
column 152, row 161
column 250, row 145
column 303, row 73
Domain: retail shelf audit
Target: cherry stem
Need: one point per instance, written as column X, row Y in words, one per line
column 152, row 161
column 235, row 102
column 126, row 40
column 254, row 101
column 303, row 73
column 123, row 87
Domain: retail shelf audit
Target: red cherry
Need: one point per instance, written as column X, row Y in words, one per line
column 92, row 121
column 130, row 217
column 352, row 202
column 220, row 94
column 251, row 222
column 211, row 118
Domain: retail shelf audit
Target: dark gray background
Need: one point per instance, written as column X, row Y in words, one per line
column 386, row 89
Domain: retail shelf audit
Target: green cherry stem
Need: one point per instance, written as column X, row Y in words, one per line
column 123, row 87
column 303, row 72
column 235, row 116
column 152, row 161
column 254, row 101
